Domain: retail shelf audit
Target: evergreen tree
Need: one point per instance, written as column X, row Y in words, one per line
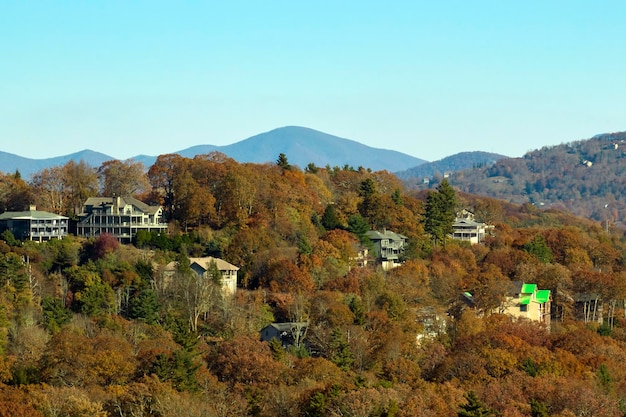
column 538, row 409
column 474, row 407
column 396, row 196
column 283, row 162
column 359, row 227
column 540, row 249
column 440, row 212
column 342, row 354
column 367, row 192
column 55, row 315
column 330, row 220
column 144, row 306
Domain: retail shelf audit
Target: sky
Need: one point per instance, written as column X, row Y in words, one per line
column 426, row 78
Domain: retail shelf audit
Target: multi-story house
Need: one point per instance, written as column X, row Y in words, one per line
column 388, row 247
column 527, row 301
column 34, row 225
column 523, row 301
column 121, row 217
column 202, row 267
column 465, row 227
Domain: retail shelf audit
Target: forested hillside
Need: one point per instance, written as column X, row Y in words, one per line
column 586, row 177
column 89, row 327
column 452, row 163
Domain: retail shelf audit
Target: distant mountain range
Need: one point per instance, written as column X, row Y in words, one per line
column 301, row 146
column 453, row 163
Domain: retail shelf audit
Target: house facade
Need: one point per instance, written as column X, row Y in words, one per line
column 529, row 302
column 388, row 248
column 288, row 334
column 202, row 267
column 34, row 225
column 466, row 228
column 121, row 217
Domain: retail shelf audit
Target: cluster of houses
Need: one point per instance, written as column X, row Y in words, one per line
column 123, row 217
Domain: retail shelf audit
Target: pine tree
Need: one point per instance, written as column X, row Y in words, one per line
column 330, row 220
column 440, row 212
column 283, row 162
column 474, row 407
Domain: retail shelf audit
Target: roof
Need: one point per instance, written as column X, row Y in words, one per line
column 285, row 327
column 30, row 215
column 528, row 288
column 124, row 201
column 222, row 265
column 386, row 234
column 467, row 222
column 543, row 296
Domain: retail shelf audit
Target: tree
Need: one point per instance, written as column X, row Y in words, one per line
column 283, row 162
column 440, row 212
column 122, row 178
column 163, row 175
column 15, row 194
column 474, row 407
column 198, row 293
column 81, row 182
column 540, row 249
column 51, row 191
column 330, row 220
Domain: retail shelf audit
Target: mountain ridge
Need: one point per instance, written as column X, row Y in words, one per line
column 301, row 145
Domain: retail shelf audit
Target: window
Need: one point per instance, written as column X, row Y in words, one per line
column 523, row 307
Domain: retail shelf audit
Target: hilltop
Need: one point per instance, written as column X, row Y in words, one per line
column 301, row 145
column 586, row 177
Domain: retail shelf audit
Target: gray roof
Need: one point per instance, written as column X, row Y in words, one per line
column 285, row 327
column 104, row 201
column 467, row 222
column 30, row 215
column 386, row 234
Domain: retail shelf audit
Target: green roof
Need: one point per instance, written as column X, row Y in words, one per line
column 528, row 288
column 543, row 296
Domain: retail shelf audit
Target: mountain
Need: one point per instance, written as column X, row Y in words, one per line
column 10, row 163
column 301, row 146
column 456, row 162
column 586, row 177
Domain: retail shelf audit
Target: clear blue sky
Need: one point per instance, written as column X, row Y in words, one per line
column 422, row 77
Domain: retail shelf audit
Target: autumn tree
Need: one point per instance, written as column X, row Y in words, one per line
column 122, row 178
column 81, row 182
column 51, row 191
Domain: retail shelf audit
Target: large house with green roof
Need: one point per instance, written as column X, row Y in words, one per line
column 33, row 224
column 528, row 301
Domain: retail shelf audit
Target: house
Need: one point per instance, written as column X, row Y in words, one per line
column 288, row 334
column 33, row 224
column 589, row 307
column 201, row 266
column 388, row 248
column 466, row 228
column 527, row 301
column 229, row 271
column 121, row 217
